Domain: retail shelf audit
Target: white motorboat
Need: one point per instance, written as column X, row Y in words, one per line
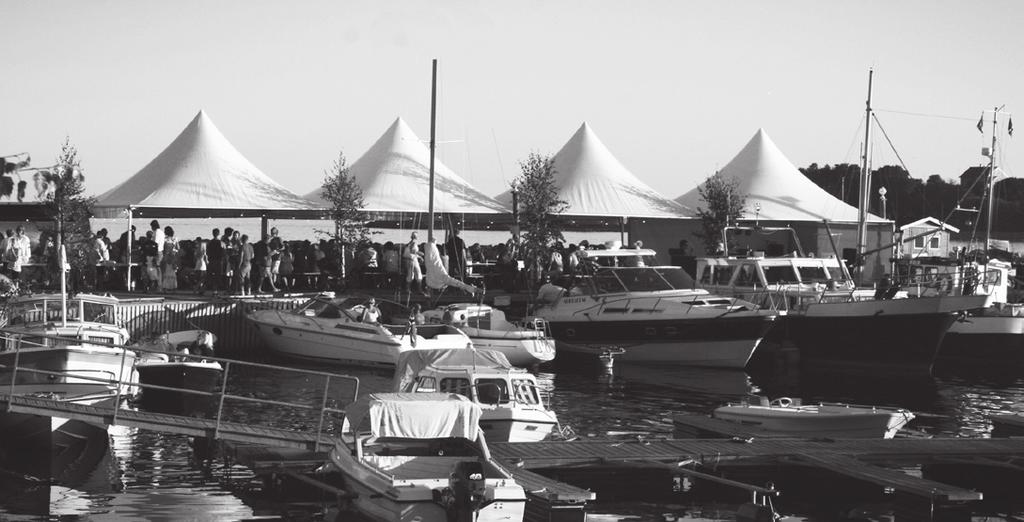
column 523, row 345
column 653, row 313
column 513, row 408
column 74, row 354
column 789, row 417
column 330, row 329
column 422, row 457
column 177, row 360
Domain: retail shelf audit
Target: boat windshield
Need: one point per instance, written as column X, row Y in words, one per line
column 492, row 391
column 641, row 279
column 34, row 311
column 320, row 307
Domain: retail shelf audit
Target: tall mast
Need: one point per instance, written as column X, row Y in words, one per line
column 865, row 177
column 433, row 119
column 991, row 180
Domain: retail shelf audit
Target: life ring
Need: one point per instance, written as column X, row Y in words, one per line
column 784, row 402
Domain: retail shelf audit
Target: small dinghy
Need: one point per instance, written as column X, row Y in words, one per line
column 824, row 420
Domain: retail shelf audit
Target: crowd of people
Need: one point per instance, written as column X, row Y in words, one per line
column 231, row 262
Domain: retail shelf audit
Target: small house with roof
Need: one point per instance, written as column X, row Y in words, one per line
column 926, row 237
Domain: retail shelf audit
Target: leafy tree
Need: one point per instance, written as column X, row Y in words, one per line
column 68, row 208
column 539, row 205
column 724, row 205
column 345, row 198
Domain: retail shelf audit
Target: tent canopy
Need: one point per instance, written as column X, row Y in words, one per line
column 201, row 174
column 783, row 193
column 594, row 183
column 394, row 175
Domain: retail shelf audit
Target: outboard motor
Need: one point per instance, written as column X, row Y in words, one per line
column 465, row 493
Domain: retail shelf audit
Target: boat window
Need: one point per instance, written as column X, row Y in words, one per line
column 33, row 342
column 525, row 391
column 836, row 273
column 99, row 340
column 811, row 274
column 723, row 274
column 606, row 282
column 492, row 391
column 456, row 385
column 747, row 275
column 643, row 280
column 426, row 384
column 330, row 312
column 779, row 274
column 100, row 313
column 677, row 278
column 705, row 274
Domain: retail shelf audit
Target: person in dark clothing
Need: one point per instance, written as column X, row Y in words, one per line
column 261, row 265
column 455, row 247
column 215, row 263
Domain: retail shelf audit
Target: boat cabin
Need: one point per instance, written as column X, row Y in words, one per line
column 37, row 321
column 622, row 270
column 482, row 376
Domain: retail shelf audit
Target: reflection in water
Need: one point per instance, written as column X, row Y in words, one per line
column 148, row 475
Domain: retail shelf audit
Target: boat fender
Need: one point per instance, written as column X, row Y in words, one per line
column 784, row 402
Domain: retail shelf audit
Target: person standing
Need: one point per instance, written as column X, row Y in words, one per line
column 158, row 239
column 150, row 250
column 201, row 265
column 455, row 247
column 261, row 265
column 21, row 250
column 413, row 272
column 276, row 246
column 245, row 264
column 215, row 264
column 169, row 266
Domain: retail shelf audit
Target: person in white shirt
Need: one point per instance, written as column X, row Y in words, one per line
column 21, row 248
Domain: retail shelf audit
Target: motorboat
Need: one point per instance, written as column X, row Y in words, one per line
column 787, row 416
column 73, row 353
column 334, row 329
column 174, row 364
column 523, row 345
column 834, row 324
column 512, row 404
column 422, row 457
column 652, row 313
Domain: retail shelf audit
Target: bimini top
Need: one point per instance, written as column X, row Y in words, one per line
column 414, row 416
column 412, row 362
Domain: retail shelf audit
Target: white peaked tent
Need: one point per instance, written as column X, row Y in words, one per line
column 394, row 175
column 593, row 182
column 770, row 180
column 201, row 174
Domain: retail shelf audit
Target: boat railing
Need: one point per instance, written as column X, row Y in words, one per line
column 222, row 395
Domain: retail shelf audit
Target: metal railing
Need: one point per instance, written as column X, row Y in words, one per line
column 12, row 342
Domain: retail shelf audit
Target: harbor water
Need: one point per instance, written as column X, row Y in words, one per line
column 145, row 475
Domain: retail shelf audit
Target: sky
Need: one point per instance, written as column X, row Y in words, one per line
column 673, row 88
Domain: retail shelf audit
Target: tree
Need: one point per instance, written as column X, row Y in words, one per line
column 539, row 205
column 724, row 205
column 68, row 208
column 345, row 198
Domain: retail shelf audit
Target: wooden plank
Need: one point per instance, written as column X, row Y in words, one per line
column 899, row 481
column 551, row 490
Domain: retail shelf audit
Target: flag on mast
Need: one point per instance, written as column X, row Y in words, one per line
column 981, row 122
column 1009, row 128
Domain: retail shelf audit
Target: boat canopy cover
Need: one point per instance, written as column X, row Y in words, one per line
column 414, row 416
column 412, row 362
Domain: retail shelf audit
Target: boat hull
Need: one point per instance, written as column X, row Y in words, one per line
column 721, row 342
column 86, row 364
column 348, row 344
column 183, row 376
column 519, row 352
column 517, row 425
column 53, row 448
column 848, row 422
column 897, row 337
column 985, row 341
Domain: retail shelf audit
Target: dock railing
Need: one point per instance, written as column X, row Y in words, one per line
column 15, row 374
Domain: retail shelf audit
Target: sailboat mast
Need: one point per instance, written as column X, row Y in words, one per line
column 865, row 178
column 433, row 120
column 991, row 181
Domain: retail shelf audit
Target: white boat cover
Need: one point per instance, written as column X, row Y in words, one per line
column 594, row 183
column 437, row 275
column 200, row 170
column 414, row 416
column 770, row 180
column 394, row 175
column 412, row 362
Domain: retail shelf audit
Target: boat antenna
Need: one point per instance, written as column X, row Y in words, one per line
column 865, row 182
column 433, row 120
column 991, row 180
